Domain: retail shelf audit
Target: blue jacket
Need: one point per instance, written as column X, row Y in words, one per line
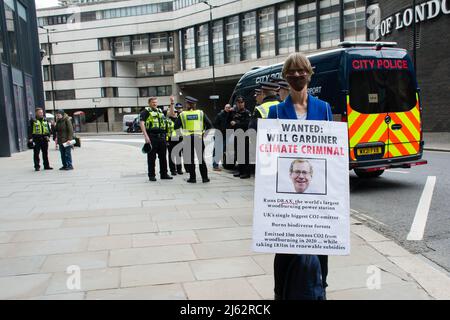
column 316, row 110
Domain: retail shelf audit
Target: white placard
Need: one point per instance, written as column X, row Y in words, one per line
column 302, row 203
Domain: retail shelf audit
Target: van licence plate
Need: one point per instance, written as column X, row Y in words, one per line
column 368, row 151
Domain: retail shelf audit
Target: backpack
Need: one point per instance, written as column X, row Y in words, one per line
column 304, row 279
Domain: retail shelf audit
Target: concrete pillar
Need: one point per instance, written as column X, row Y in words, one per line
column 111, row 118
column 176, row 65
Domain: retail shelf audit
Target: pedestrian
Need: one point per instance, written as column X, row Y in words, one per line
column 64, row 136
column 172, row 141
column 221, row 123
column 300, row 105
column 241, row 120
column 193, row 123
column 153, row 128
column 269, row 98
column 39, row 132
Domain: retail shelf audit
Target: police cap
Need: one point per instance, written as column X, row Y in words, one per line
column 269, row 86
column 191, row 99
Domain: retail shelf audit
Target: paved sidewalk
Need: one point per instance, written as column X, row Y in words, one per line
column 166, row 240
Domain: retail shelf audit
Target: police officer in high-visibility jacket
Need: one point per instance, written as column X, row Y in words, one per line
column 269, row 98
column 193, row 123
column 153, row 127
column 172, row 142
column 39, row 134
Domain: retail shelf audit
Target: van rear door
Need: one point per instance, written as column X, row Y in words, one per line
column 383, row 110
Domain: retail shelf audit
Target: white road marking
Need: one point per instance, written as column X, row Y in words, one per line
column 420, row 219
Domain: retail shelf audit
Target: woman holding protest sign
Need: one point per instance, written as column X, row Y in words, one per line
column 300, row 105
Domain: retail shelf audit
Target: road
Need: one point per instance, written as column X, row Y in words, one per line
column 388, row 204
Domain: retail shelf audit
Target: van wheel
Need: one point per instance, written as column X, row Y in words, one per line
column 368, row 174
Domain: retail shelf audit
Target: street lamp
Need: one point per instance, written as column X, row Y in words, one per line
column 51, row 66
column 95, row 101
column 213, row 97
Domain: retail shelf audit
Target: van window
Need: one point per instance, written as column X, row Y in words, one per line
column 382, row 91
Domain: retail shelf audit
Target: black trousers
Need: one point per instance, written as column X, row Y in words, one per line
column 40, row 144
column 192, row 145
column 244, row 167
column 174, row 159
column 158, row 148
column 280, row 268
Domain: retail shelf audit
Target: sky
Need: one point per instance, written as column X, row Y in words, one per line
column 45, row 3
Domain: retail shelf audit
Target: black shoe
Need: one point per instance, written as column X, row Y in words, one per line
column 190, row 180
column 48, row 168
column 205, row 180
column 37, row 169
column 180, row 172
column 63, row 168
column 69, row 168
column 152, row 178
column 174, row 173
column 245, row 176
column 237, row 174
column 166, row 177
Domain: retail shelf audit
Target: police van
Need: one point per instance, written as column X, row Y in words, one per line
column 372, row 86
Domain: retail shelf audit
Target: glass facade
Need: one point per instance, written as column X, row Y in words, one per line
column 329, row 23
column 203, row 45
column 307, row 25
column 140, row 44
column 12, row 32
column 189, row 49
column 249, row 36
column 354, row 20
column 286, row 28
column 158, row 91
column 232, row 39
column 155, row 66
column 217, row 40
column 267, row 31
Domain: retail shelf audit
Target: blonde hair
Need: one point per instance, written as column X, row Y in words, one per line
column 300, row 61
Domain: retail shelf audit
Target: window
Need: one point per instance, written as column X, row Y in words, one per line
column 232, row 39
column 159, row 91
column 267, row 32
column 354, row 20
column 87, row 16
column 104, row 44
column 46, row 70
column 189, row 49
column 217, row 34
column 203, row 45
column 48, row 95
column 108, row 69
column 11, row 32
column 394, row 91
column 329, row 23
column 122, row 46
column 110, row 92
column 158, row 42
column 63, row 71
column 249, row 36
column 286, row 28
column 64, row 94
column 307, row 30
column 140, row 44
column 155, row 66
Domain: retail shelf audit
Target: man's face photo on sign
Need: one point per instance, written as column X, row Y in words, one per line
column 301, row 174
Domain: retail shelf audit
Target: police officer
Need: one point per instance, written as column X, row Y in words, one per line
column 269, row 98
column 283, row 89
column 193, row 123
column 240, row 120
column 153, row 127
column 39, row 134
column 172, row 142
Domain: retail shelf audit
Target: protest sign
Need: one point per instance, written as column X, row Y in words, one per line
column 302, row 201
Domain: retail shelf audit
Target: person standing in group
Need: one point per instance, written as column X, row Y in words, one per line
column 153, row 128
column 300, row 105
column 172, row 142
column 64, row 136
column 221, row 123
column 283, row 88
column 241, row 120
column 193, row 123
column 39, row 134
column 269, row 98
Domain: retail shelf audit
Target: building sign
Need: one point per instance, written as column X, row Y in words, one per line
column 423, row 12
column 302, row 201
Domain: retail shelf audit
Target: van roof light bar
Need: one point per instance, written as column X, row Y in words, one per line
column 347, row 44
